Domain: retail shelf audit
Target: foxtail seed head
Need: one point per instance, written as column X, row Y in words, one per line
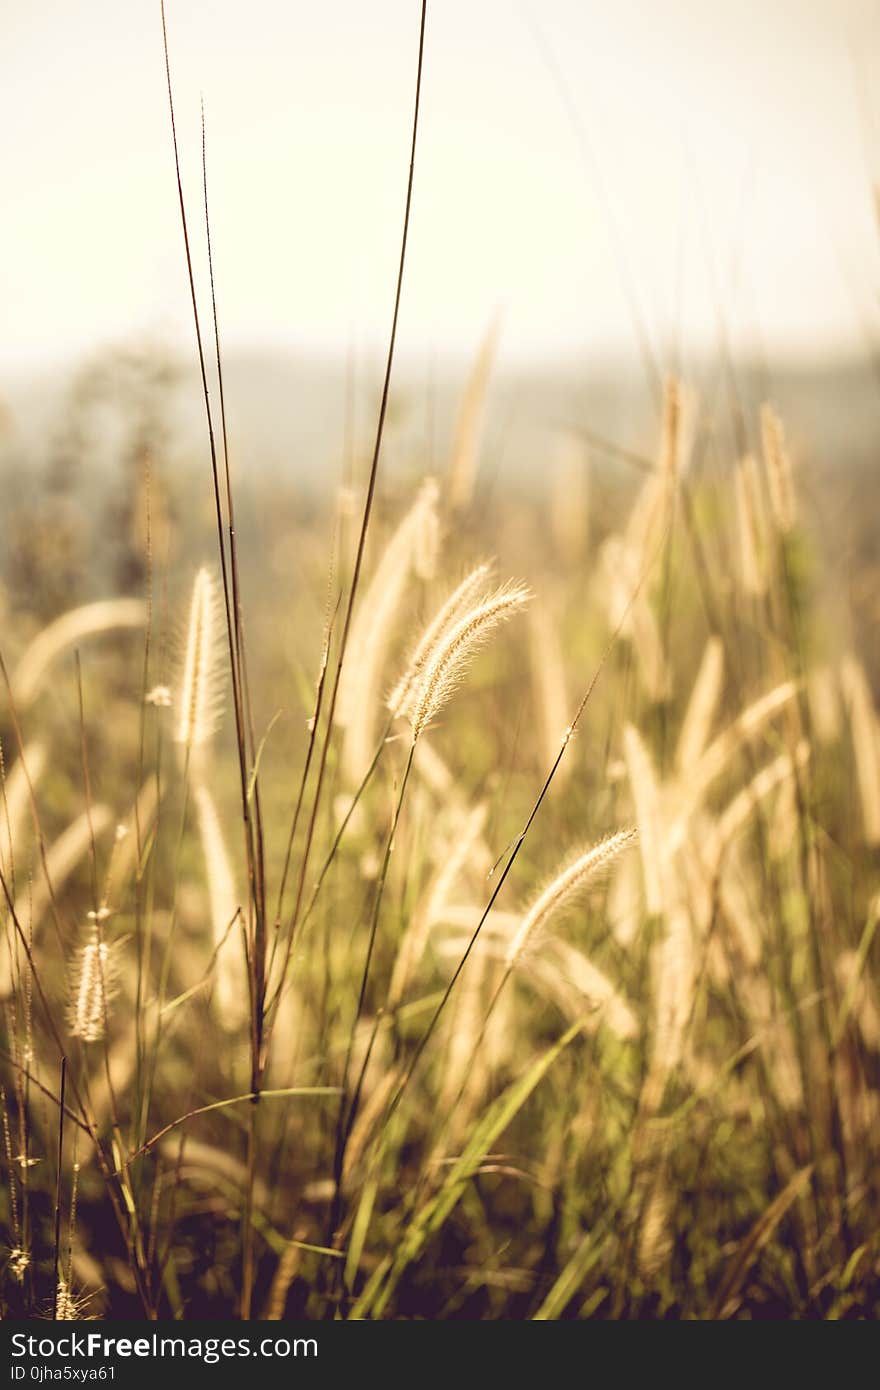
column 564, row 887
column 94, row 987
column 446, row 664
column 199, row 692
column 447, row 615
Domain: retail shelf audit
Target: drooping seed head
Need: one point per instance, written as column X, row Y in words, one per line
column 447, row 615
column 452, row 654
column 564, row 887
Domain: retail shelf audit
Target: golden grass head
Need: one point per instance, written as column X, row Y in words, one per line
column 93, row 990
column 565, row 886
column 70, row 1306
column 399, row 702
column 455, row 649
column 200, row 689
column 702, row 707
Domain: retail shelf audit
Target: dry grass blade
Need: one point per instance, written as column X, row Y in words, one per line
column 702, row 707
column 93, row 990
column 783, row 503
column 866, row 744
column 726, row 1300
column 231, row 1004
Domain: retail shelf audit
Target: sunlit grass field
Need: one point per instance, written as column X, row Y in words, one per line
column 540, row 984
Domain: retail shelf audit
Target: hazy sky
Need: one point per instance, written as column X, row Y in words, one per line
column 712, row 159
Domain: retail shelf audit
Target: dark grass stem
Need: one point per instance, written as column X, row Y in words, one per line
column 251, row 827
column 347, row 1111
column 275, row 998
column 57, row 1242
column 368, row 503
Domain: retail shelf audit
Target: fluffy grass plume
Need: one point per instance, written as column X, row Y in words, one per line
column 649, row 817
column 94, row 986
column 446, row 664
column 199, row 691
column 564, row 887
column 400, row 700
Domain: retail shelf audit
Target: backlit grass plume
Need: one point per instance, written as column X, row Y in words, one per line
column 448, row 614
column 200, row 686
column 445, row 664
column 564, row 887
column 93, row 989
